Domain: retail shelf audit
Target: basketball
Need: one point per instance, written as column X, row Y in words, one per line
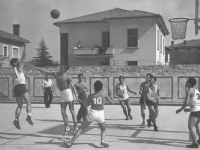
column 55, row 14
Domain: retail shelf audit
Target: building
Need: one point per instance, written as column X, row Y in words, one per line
column 115, row 37
column 186, row 52
column 11, row 45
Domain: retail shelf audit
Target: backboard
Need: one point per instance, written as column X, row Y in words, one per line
column 196, row 20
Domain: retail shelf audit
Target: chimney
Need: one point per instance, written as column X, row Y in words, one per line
column 16, row 29
column 185, row 42
column 172, row 42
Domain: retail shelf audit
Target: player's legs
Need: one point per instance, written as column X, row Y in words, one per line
column 63, row 106
column 192, row 121
column 26, row 98
column 71, row 108
column 84, row 125
column 102, row 126
column 124, row 109
column 152, row 116
column 50, row 93
column 198, row 130
column 45, row 98
column 19, row 107
column 142, row 114
column 18, row 111
column 128, row 105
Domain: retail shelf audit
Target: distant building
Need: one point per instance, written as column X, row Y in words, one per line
column 115, row 37
column 186, row 52
column 11, row 45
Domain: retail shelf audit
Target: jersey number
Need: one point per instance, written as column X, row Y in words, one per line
column 198, row 96
column 153, row 95
column 97, row 100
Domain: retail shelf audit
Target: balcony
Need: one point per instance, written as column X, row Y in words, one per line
column 91, row 52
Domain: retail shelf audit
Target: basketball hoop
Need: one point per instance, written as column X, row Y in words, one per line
column 178, row 28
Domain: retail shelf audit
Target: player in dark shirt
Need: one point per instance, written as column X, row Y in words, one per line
column 96, row 113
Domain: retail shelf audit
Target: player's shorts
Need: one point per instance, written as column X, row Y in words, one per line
column 195, row 114
column 66, row 95
column 20, row 89
column 96, row 115
column 151, row 103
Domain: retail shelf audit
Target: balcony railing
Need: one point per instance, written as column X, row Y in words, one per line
column 93, row 52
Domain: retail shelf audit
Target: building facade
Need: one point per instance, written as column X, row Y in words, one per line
column 186, row 52
column 115, row 37
column 11, row 45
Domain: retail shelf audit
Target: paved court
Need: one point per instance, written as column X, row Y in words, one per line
column 46, row 133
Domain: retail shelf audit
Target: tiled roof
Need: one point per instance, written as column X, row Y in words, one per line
column 116, row 13
column 194, row 42
column 100, row 16
column 10, row 36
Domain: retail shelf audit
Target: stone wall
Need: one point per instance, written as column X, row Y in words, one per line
column 171, row 79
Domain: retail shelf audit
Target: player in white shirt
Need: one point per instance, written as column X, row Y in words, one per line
column 193, row 99
column 20, row 91
column 122, row 93
column 47, row 87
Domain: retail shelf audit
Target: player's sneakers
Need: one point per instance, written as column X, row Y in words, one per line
column 28, row 119
column 68, row 144
column 155, row 128
column 143, row 124
column 149, row 123
column 75, row 129
column 67, row 129
column 127, row 117
column 130, row 117
column 104, row 144
column 193, row 145
column 16, row 123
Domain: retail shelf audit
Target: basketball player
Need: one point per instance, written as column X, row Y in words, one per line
column 81, row 89
column 96, row 113
column 122, row 93
column 67, row 93
column 142, row 86
column 20, row 91
column 151, row 98
column 193, row 99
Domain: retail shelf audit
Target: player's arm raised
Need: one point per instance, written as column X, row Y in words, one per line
column 21, row 63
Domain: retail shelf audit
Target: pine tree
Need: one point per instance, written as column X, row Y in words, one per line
column 43, row 56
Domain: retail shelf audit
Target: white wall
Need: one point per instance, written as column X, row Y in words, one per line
column 91, row 33
column 145, row 53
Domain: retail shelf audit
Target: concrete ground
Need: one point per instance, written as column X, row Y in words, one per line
column 46, row 133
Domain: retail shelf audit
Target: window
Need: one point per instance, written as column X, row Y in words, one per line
column 158, row 40
column 163, row 47
column 161, row 44
column 105, row 40
column 5, row 50
column 15, row 52
column 132, row 38
column 132, row 63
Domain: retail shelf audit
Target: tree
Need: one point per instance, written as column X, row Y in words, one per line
column 43, row 56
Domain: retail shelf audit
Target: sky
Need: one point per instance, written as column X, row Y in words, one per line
column 35, row 20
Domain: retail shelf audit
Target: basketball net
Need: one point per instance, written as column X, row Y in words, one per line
column 178, row 28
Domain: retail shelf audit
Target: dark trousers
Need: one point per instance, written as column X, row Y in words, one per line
column 48, row 96
column 82, row 110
